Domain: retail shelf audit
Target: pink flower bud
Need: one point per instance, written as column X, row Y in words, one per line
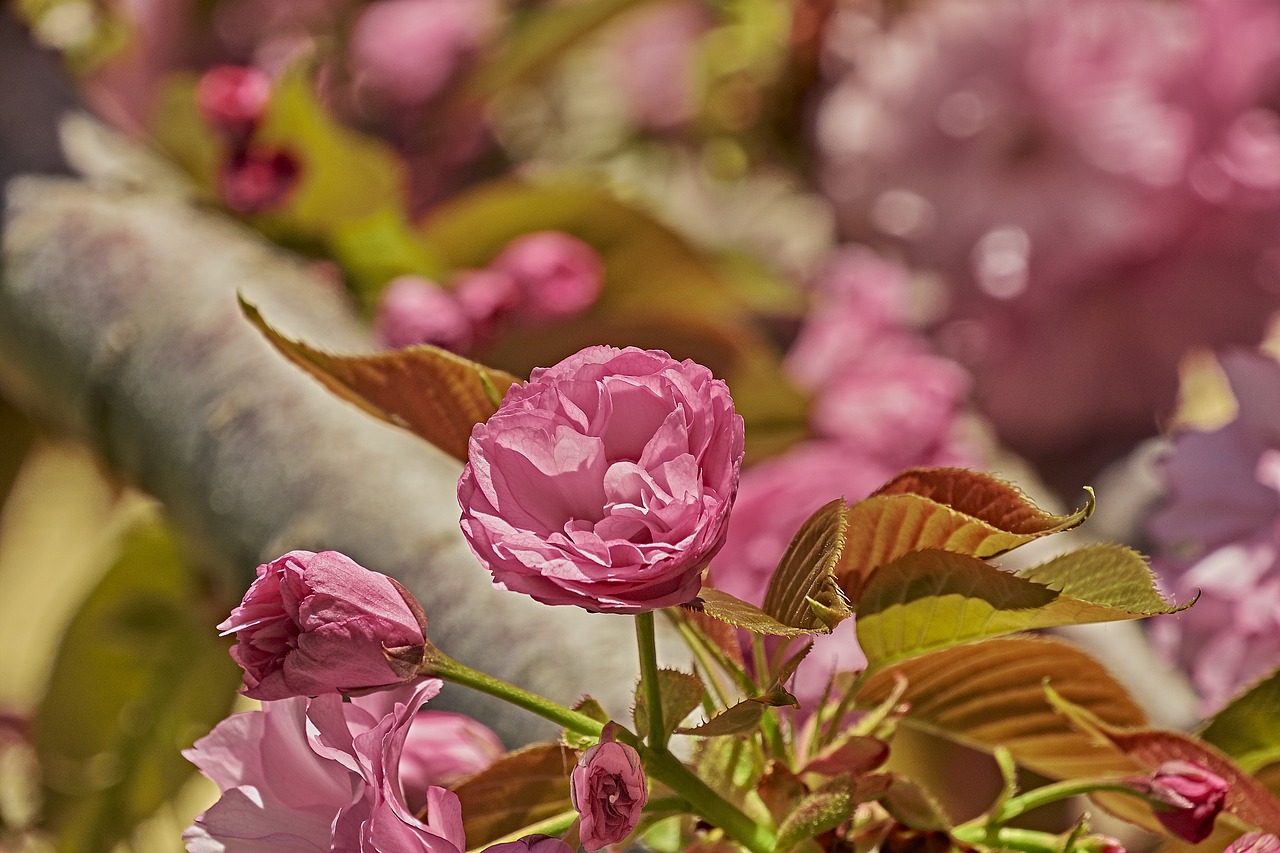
column 321, row 623
column 257, row 179
column 489, row 298
column 1192, row 796
column 531, row 844
column 414, row 310
column 442, row 749
column 233, row 98
column 605, row 481
column 558, row 276
column 608, row 789
column 1255, row 842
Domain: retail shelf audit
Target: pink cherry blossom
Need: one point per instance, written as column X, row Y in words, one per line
column 414, row 310
column 233, row 98
column 319, row 623
column 609, row 790
column 319, row 774
column 605, row 481
column 444, row 748
column 557, row 275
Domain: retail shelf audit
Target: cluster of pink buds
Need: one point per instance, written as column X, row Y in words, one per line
column 253, row 177
column 538, row 279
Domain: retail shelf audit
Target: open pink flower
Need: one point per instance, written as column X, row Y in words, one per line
column 444, row 748
column 606, row 481
column 319, row 774
column 609, row 791
column 319, row 623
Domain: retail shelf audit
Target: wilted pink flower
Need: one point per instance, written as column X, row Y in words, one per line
column 1255, row 842
column 609, row 790
column 532, row 844
column 1190, row 797
column 407, row 51
column 444, row 748
column 257, row 179
column 605, row 481
column 319, row 774
column 558, row 275
column 320, row 623
column 233, row 98
column 414, row 310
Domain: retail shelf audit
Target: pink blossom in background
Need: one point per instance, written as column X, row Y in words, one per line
column 319, row 774
column 319, row 623
column 444, row 748
column 1067, row 166
column 557, row 275
column 257, row 179
column 654, row 63
column 1218, row 534
column 1191, row 797
column 609, row 790
column 605, row 481
column 414, row 310
column 1255, row 842
column 233, row 98
column 489, row 298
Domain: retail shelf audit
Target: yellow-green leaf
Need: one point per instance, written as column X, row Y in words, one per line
column 803, row 591
column 991, row 693
column 518, row 790
column 948, row 509
column 928, row 600
column 431, row 392
column 1248, row 729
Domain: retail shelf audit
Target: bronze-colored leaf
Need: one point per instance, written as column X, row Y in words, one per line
column 853, row 755
column 432, row 393
column 520, row 789
column 724, row 607
column 803, row 590
column 991, row 693
column 1002, row 505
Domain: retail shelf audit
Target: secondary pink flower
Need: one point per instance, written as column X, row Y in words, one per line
column 319, row 774
column 444, row 748
column 605, row 481
column 1255, row 842
column 414, row 310
column 257, row 179
column 319, row 623
column 558, row 275
column 1192, row 795
column 532, row 844
column 233, row 98
column 609, row 791
column 488, row 297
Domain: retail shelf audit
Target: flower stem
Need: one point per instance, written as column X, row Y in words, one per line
column 1046, row 794
column 647, row 644
column 1012, row 838
column 445, row 667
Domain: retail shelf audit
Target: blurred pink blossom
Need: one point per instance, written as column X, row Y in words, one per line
column 319, row 774
column 489, row 298
column 414, row 310
column 654, row 62
column 444, row 748
column 558, row 276
column 257, row 179
column 1218, row 534
column 605, row 481
column 233, row 99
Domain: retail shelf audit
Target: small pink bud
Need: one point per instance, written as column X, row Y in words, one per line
column 489, row 298
column 257, row 179
column 233, row 98
column 322, row 623
column 1255, row 842
column 1191, row 795
column 531, row 844
column 609, row 791
column 442, row 749
column 414, row 310
column 558, row 276
column 1101, row 844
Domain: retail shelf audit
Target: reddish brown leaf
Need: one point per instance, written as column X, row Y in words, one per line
column 522, row 788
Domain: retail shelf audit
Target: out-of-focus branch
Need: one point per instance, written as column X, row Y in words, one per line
column 119, row 325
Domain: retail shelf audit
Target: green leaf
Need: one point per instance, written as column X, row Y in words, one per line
column 948, row 509
column 1248, row 800
column 823, row 810
column 928, row 600
column 378, row 248
column 180, row 133
column 803, row 590
column 140, row 675
column 726, row 608
column 1248, row 729
column 542, row 41
column 432, row 393
column 681, row 695
column 991, row 693
column 518, row 790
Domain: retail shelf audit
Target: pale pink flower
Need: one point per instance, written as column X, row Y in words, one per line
column 1255, row 842
column 414, row 310
column 319, row 774
column 233, row 98
column 605, row 481
column 444, row 748
column 609, row 790
column 320, row 623
column 1190, row 797
column 558, row 276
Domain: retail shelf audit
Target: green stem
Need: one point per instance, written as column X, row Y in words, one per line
column 1046, row 794
column 647, row 644
column 1012, row 838
column 442, row 666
